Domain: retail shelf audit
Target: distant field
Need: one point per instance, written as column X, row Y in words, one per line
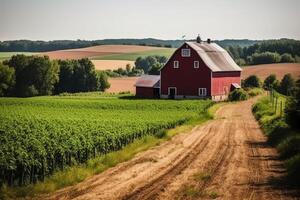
column 111, row 64
column 104, row 52
column 280, row 69
column 134, row 55
column 262, row 71
column 7, row 55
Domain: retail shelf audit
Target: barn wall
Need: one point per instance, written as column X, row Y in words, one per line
column 186, row 78
column 221, row 82
column 145, row 92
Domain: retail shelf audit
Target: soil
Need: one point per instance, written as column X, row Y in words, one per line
column 231, row 149
column 123, row 84
column 111, row 64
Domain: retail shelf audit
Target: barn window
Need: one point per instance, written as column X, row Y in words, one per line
column 176, row 64
column 196, row 64
column 202, row 92
column 185, row 52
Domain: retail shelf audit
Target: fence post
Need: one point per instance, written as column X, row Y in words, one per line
column 276, row 105
column 281, row 108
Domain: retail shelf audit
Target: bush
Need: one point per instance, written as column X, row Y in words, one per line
column 287, row 84
column 255, row 91
column 7, row 80
column 289, row 147
column 277, row 130
column 252, row 81
column 293, row 168
column 265, row 58
column 238, row 95
column 269, row 81
column 287, row 58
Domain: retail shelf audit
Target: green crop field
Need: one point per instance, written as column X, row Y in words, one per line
column 133, row 56
column 7, row 55
column 42, row 134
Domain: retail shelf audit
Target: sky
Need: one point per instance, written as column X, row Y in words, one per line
column 163, row 19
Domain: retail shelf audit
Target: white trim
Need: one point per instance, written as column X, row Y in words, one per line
column 185, row 52
column 172, row 88
column 196, row 64
column 176, row 64
column 202, row 92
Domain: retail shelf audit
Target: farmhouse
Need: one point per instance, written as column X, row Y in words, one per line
column 195, row 70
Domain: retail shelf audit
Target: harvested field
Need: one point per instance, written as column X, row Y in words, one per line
column 122, row 84
column 95, row 51
column 262, row 71
column 111, row 64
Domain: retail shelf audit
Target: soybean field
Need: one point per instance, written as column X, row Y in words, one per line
column 42, row 134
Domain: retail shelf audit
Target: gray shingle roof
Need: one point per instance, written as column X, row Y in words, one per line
column 214, row 56
column 148, row 81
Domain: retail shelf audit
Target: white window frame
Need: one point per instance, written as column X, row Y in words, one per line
column 172, row 88
column 196, row 64
column 202, row 92
column 176, row 64
column 186, row 52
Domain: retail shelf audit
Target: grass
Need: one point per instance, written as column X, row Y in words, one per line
column 134, row 55
column 202, row 176
column 280, row 134
column 7, row 55
column 77, row 173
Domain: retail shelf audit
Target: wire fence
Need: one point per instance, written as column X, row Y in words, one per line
column 278, row 103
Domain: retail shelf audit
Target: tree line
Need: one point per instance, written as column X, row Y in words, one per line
column 270, row 51
column 26, row 76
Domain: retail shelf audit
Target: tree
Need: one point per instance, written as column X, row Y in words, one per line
column 287, row 84
column 287, row 58
column 252, row 81
column 292, row 108
column 270, row 81
column 128, row 68
column 265, row 58
column 7, row 80
column 155, row 69
column 36, row 74
column 148, row 62
column 104, row 84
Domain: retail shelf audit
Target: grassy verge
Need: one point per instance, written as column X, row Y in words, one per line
column 280, row 134
column 77, row 173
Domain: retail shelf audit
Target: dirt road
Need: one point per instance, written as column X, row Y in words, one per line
column 226, row 158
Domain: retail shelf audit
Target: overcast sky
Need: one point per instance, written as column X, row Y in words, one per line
column 165, row 19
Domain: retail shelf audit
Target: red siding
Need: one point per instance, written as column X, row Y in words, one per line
column 221, row 82
column 145, row 92
column 186, row 78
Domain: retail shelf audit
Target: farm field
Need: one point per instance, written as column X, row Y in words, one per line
column 42, row 134
column 7, row 55
column 262, row 71
column 226, row 158
column 280, row 69
column 107, row 52
column 111, row 64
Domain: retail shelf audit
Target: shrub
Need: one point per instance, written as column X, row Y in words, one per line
column 277, row 130
column 287, row 58
column 255, row 91
column 238, row 95
column 289, row 147
column 287, row 84
column 265, row 58
column 252, row 81
column 293, row 168
column 269, row 81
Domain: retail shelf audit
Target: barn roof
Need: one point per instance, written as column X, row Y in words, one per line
column 148, row 81
column 214, row 56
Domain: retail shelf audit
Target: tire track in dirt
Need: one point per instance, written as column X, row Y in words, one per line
column 230, row 148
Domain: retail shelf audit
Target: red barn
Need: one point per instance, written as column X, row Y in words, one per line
column 199, row 70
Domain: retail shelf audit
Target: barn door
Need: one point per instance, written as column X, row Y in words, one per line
column 172, row 92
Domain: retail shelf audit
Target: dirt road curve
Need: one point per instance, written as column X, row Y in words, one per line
column 230, row 150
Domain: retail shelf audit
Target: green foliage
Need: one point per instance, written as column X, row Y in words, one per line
column 270, row 82
column 103, row 81
column 289, row 146
column 287, row 84
column 150, row 64
column 252, row 81
column 42, row 134
column 265, row 58
column 35, row 75
column 293, row 166
column 238, row 95
column 254, row 91
column 7, row 80
column 129, row 71
column 287, row 58
column 292, row 108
